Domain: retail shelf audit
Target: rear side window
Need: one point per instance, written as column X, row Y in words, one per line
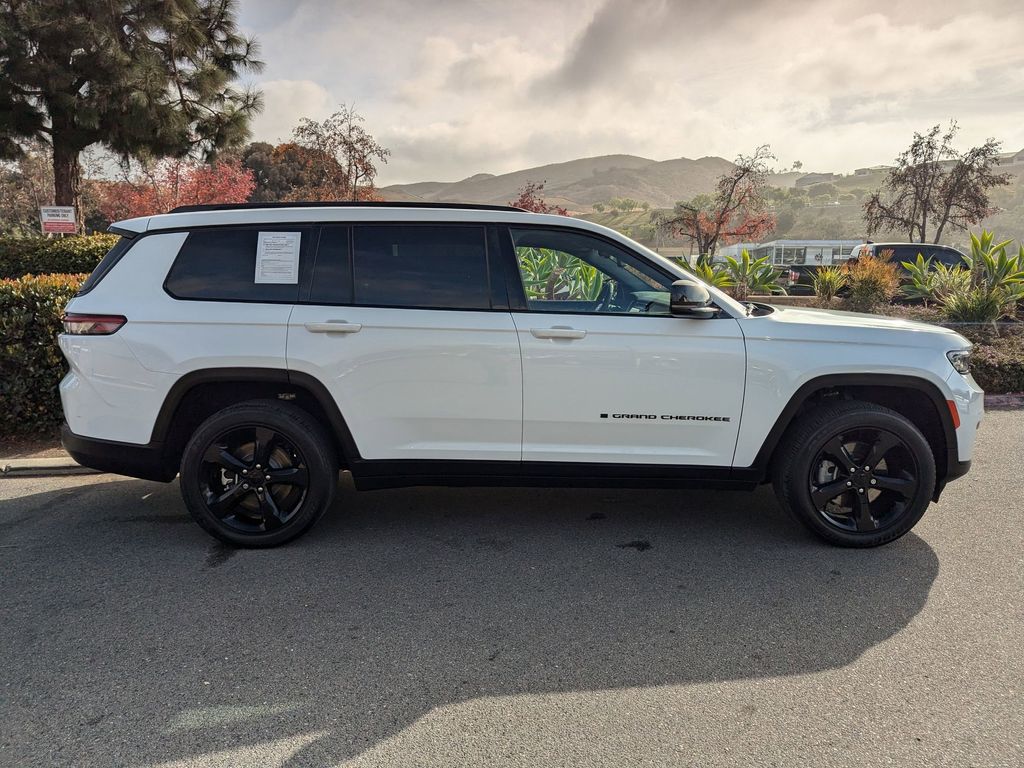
column 898, row 253
column 948, row 256
column 428, row 266
column 220, row 265
column 107, row 263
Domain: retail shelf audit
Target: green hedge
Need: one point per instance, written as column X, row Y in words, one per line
column 21, row 256
column 31, row 365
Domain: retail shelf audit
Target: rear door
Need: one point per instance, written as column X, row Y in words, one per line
column 399, row 323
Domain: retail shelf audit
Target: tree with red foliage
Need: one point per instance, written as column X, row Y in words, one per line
column 736, row 211
column 341, row 158
column 530, row 199
column 170, row 183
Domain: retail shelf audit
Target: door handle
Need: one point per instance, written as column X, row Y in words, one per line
column 334, row 326
column 558, row 332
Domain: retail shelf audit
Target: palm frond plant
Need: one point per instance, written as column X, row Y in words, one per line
column 751, row 276
column 984, row 258
column 923, row 281
column 712, row 274
column 996, row 281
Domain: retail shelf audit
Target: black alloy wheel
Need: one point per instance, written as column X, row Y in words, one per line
column 863, row 480
column 253, row 479
column 259, row 473
column 855, row 473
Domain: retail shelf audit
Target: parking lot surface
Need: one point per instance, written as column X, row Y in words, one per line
column 499, row 627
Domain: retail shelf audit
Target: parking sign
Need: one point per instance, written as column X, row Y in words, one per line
column 58, row 219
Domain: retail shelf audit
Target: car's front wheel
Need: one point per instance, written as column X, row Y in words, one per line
column 857, row 474
column 259, row 473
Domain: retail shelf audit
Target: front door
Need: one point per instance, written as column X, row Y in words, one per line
column 608, row 374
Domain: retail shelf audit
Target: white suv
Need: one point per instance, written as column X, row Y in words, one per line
column 257, row 350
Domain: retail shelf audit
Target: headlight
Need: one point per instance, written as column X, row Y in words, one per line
column 961, row 360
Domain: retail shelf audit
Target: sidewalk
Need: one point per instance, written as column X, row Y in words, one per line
column 43, row 467
column 38, row 458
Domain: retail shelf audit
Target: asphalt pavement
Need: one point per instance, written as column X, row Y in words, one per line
column 457, row 627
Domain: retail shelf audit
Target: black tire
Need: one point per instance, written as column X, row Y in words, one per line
column 856, row 474
column 227, row 463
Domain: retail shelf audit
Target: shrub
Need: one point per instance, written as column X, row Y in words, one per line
column 872, row 281
column 21, row 256
column 998, row 365
column 974, row 305
column 31, row 365
column 949, row 279
column 827, row 282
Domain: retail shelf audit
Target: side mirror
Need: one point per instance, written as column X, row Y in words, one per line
column 690, row 299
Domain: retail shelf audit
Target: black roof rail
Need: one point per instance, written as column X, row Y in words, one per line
column 340, row 204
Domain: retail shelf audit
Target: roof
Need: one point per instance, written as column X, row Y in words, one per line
column 269, row 215
column 338, row 204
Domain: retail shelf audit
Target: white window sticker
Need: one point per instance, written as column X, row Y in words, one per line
column 277, row 257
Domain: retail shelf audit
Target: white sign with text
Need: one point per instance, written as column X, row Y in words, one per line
column 277, row 257
column 59, row 219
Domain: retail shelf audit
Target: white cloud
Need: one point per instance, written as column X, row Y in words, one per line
column 459, row 87
column 284, row 102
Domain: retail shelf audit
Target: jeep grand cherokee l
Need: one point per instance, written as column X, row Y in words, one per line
column 256, row 350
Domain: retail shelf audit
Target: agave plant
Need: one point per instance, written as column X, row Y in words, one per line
column 949, row 280
column 827, row 282
column 923, row 281
column 751, row 276
column 995, row 273
column 974, row 305
column 547, row 274
column 989, row 263
column 712, row 274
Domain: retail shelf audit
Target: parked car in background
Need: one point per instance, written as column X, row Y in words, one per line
column 900, row 252
column 801, row 277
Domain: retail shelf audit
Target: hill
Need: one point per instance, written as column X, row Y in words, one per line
column 578, row 184
column 587, row 185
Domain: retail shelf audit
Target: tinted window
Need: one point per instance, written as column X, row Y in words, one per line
column 332, row 276
column 947, row 256
column 898, row 253
column 566, row 271
column 442, row 267
column 220, row 264
column 107, row 263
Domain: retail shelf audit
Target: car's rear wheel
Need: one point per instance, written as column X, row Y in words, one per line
column 258, row 474
column 856, row 474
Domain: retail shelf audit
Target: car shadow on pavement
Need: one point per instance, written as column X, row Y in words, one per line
column 136, row 639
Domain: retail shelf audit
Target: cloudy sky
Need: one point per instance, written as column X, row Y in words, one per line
column 456, row 87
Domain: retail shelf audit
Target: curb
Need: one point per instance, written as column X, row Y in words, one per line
column 42, row 467
column 1008, row 402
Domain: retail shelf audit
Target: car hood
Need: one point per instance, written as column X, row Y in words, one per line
column 797, row 323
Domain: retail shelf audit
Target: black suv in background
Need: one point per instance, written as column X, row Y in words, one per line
column 900, row 252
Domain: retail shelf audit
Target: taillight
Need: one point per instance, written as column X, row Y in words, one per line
column 92, row 325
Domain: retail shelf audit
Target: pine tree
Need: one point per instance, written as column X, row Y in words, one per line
column 144, row 78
